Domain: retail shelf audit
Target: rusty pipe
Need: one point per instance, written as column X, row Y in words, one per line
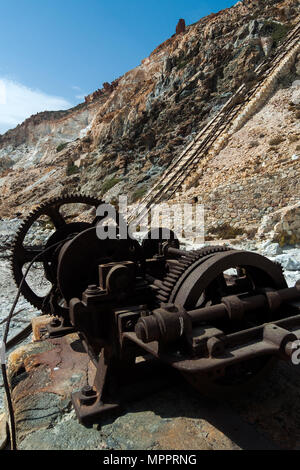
column 232, row 304
column 157, row 326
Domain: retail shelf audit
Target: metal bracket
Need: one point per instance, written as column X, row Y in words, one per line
column 58, row 327
column 117, row 383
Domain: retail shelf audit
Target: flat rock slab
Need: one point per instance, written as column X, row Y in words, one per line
column 42, row 377
column 45, row 373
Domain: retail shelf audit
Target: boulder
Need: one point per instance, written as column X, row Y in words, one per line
column 270, row 249
column 282, row 226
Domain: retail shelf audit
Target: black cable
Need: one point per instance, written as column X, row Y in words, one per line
column 5, row 343
column 19, row 337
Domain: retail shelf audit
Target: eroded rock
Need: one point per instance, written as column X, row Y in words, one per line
column 180, row 28
column 266, row 44
column 282, row 226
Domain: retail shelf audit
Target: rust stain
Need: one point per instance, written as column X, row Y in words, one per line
column 53, row 371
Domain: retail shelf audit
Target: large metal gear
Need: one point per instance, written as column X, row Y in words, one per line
column 176, row 271
column 22, row 254
column 188, row 285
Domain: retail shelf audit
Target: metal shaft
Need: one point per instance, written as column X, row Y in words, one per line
column 248, row 304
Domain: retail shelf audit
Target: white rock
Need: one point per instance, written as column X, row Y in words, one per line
column 291, row 277
column 295, row 157
column 296, row 95
column 270, row 249
column 288, row 262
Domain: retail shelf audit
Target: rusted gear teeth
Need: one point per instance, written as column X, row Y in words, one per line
column 163, row 294
column 22, row 231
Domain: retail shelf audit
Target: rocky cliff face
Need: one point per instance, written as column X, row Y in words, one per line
column 124, row 135
column 254, row 181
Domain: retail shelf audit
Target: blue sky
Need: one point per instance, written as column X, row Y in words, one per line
column 53, row 52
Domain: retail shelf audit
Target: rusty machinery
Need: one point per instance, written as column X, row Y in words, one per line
column 219, row 316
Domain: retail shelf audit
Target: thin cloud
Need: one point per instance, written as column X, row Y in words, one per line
column 18, row 102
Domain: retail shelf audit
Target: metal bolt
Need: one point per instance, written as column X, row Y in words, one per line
column 129, row 324
column 88, row 391
column 92, row 289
